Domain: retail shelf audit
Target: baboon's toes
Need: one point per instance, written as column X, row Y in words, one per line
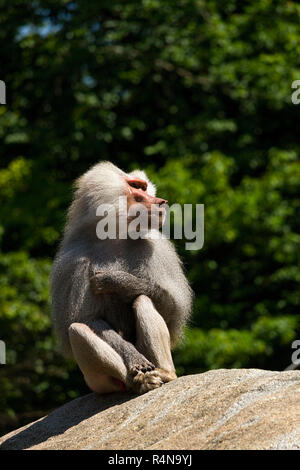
column 166, row 375
column 144, row 382
column 144, row 367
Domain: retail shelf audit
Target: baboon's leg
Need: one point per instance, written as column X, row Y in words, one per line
column 153, row 338
column 103, row 368
column 108, row 362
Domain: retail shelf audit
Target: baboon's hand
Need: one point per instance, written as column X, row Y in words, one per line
column 122, row 283
column 104, row 283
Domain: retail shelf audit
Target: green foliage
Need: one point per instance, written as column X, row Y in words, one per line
column 35, row 377
column 199, row 94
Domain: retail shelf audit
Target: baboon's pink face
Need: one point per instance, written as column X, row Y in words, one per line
column 137, row 194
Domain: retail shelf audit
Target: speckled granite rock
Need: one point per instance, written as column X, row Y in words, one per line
column 220, row 409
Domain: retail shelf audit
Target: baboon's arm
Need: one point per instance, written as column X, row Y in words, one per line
column 129, row 287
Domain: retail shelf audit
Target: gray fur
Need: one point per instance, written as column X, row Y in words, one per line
column 81, row 255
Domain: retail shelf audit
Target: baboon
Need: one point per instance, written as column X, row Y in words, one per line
column 118, row 305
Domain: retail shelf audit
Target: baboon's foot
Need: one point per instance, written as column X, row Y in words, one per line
column 166, row 375
column 144, row 377
column 142, row 382
column 145, row 366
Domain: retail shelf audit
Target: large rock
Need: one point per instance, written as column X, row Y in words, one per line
column 220, row 409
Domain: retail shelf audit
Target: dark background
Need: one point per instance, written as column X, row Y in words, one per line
column 197, row 93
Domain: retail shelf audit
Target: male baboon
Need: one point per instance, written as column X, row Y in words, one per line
column 118, row 304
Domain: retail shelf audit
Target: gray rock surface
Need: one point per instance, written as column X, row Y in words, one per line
column 219, row 409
